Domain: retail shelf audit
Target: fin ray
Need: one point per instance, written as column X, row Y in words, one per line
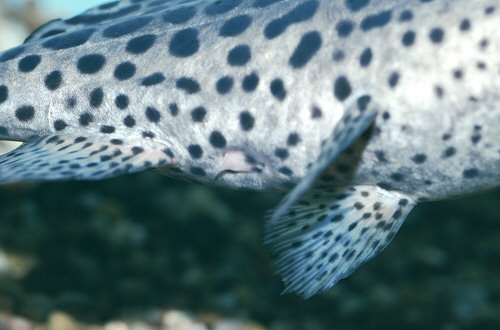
column 359, row 115
column 60, row 157
column 110, row 13
column 327, row 235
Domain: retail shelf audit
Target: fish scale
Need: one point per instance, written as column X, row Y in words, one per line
column 361, row 109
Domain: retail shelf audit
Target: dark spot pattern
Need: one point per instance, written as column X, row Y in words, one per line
column 224, row 85
column 69, row 40
column 436, row 35
column 198, row 114
column 366, row 57
column 439, row 91
column 11, row 54
column 356, row 5
column 129, row 121
column 91, row 64
column 60, row 124
column 221, row 7
column 406, row 16
column 376, row 21
column 29, row 63
column 122, row 101
column 408, row 38
column 98, row 18
column 397, row 177
column 285, row 170
column 250, row 82
column 148, row 135
column 489, row 10
column 153, row 115
column 108, row 129
column 188, row 85
column 247, row 121
column 50, row 33
column 381, row 156
column 174, row 109
column 342, row 89
column 338, row 56
column 85, row 119
column 239, row 55
column 125, row 70
column 195, row 151
column 264, row 3
column 363, row 102
column 217, row 140
column 278, row 89
column 393, row 79
column 470, row 173
column 4, row 93
column 281, row 153
column 184, row 43
column 465, row 25
column 449, row 152
column 180, row 15
column 108, row 5
column 300, row 13
column 458, row 74
column 126, row 27
column 419, row 158
column 53, row 80
column 235, row 26
column 71, row 102
column 25, row 113
column 96, row 97
column 141, row 44
column 344, row 28
column 308, row 46
column 197, row 171
column 316, row 112
column 154, row 79
column 293, row 139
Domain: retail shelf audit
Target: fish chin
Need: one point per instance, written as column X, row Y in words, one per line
column 252, row 181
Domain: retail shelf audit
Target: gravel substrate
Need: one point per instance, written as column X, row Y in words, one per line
column 122, row 248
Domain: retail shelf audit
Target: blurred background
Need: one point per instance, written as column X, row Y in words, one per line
column 147, row 252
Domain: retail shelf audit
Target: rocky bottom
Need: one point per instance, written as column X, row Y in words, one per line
column 147, row 252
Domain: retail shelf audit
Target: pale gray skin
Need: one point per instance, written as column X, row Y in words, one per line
column 428, row 70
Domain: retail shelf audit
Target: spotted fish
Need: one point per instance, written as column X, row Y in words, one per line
column 359, row 109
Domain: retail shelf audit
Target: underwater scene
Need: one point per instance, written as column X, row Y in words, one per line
column 148, row 252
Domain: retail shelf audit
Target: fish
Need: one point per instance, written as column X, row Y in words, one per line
column 357, row 110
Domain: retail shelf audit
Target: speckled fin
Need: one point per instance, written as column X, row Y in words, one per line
column 113, row 11
column 62, row 157
column 331, row 232
column 359, row 115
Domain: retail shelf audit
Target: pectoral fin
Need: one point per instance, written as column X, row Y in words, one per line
column 61, row 157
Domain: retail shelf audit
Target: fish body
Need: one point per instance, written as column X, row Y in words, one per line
column 364, row 108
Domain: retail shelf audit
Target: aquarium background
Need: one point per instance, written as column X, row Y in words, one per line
column 148, row 252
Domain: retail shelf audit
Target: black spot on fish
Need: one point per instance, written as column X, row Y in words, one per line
column 308, row 46
column 29, row 63
column 25, row 113
column 141, row 44
column 69, row 40
column 184, row 43
column 91, row 64
column 179, row 15
column 235, row 26
column 301, row 13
